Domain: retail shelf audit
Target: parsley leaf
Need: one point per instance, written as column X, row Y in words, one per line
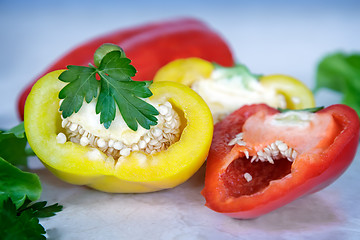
column 19, row 215
column 18, row 131
column 39, row 209
column 18, row 185
column 341, row 72
column 14, row 146
column 310, row 110
column 82, row 84
column 115, row 87
column 23, row 223
column 15, row 225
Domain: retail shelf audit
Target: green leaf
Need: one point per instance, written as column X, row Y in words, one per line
column 341, row 72
column 332, row 72
column 19, row 226
column 106, row 105
column 126, row 95
column 351, row 96
column 13, row 146
column 82, row 86
column 311, row 110
column 46, row 211
column 115, row 87
column 105, row 49
column 40, row 210
column 118, row 67
column 18, row 185
column 13, row 149
column 18, row 131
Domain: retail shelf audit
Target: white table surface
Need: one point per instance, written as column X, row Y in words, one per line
column 268, row 36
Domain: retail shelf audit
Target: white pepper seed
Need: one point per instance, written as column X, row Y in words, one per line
column 118, row 145
column 153, row 142
column 64, row 122
column 156, row 132
column 81, row 130
column 125, row 152
column 167, row 130
column 101, row 143
column 84, row 141
column 282, row 146
column 142, row 144
column 163, row 110
column 73, row 127
column 248, row 177
column 147, row 139
column 61, row 138
column 135, row 147
column 168, row 118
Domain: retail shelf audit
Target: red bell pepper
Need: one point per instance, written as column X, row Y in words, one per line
column 261, row 159
column 150, row 46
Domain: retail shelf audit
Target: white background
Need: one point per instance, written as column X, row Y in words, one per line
column 267, row 36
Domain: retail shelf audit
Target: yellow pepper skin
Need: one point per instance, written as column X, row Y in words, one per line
column 185, row 70
column 139, row 172
column 297, row 95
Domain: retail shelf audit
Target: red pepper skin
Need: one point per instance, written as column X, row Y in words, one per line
column 151, row 46
column 306, row 176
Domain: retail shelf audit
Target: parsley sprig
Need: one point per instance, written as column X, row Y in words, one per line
column 19, row 190
column 23, row 222
column 115, row 87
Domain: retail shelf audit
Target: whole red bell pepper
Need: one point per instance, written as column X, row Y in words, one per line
column 261, row 159
column 150, row 46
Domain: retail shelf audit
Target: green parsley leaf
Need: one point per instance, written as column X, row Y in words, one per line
column 341, row 72
column 311, row 110
column 18, row 131
column 14, row 146
column 17, row 184
column 19, row 225
column 115, row 87
column 39, row 209
column 82, row 85
column 19, row 215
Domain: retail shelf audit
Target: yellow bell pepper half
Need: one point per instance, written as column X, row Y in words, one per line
column 139, row 172
column 297, row 95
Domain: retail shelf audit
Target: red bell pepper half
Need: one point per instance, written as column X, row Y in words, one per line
column 261, row 159
column 151, row 46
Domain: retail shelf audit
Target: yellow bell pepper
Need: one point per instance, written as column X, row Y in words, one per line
column 138, row 172
column 221, row 85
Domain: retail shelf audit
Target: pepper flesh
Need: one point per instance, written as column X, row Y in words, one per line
column 283, row 181
column 282, row 89
column 151, row 46
column 139, row 172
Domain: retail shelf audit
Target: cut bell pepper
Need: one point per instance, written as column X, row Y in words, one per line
column 261, row 159
column 229, row 88
column 138, row 172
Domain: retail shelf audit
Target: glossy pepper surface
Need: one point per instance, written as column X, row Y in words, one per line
column 276, row 158
column 138, row 172
column 151, row 46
